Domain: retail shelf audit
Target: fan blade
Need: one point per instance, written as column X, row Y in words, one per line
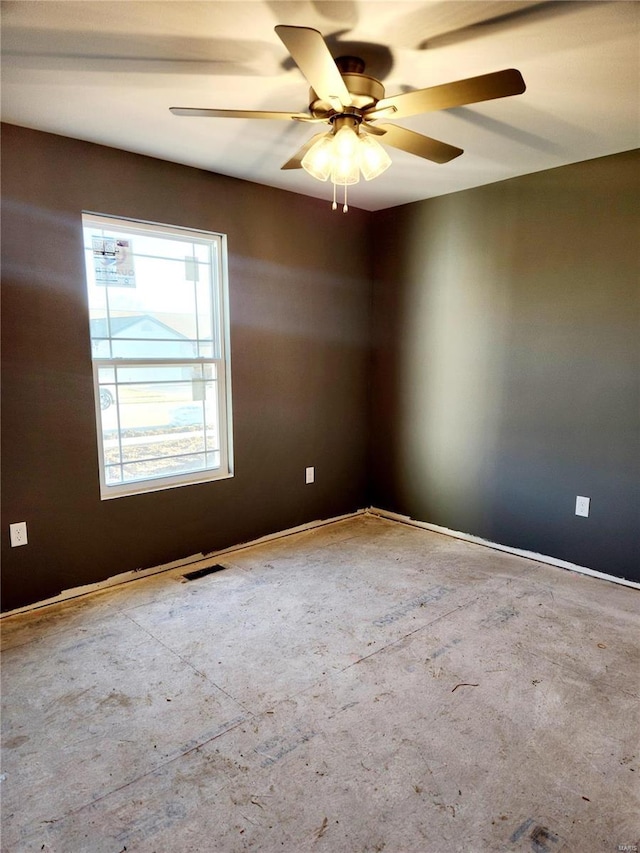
column 375, row 113
column 486, row 87
column 206, row 113
column 373, row 129
column 296, row 161
column 312, row 56
column 416, row 143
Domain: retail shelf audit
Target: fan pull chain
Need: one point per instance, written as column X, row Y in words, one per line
column 334, row 205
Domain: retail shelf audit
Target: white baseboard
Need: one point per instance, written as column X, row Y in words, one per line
column 202, row 560
column 195, row 561
column 529, row 555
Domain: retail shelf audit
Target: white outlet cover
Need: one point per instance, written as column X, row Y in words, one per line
column 582, row 506
column 18, row 533
column 309, row 475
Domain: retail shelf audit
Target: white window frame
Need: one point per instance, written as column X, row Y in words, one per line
column 220, row 299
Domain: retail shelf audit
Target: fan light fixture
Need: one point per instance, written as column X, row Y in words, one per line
column 352, row 102
column 342, row 154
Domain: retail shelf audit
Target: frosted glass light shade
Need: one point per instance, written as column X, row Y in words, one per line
column 346, row 157
column 342, row 155
column 318, row 159
column 374, row 160
column 345, row 174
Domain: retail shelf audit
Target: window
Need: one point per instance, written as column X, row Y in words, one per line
column 160, row 349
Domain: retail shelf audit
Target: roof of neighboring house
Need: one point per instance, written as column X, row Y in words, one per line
column 119, row 325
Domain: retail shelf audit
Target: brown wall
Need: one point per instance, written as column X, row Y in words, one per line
column 506, row 354
column 504, row 376
column 300, row 303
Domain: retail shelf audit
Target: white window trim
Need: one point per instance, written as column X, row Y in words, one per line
column 226, row 470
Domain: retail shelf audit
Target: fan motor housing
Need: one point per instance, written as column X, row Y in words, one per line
column 365, row 92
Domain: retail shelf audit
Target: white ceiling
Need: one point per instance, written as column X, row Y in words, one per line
column 108, row 72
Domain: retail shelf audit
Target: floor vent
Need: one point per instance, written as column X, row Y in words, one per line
column 200, row 573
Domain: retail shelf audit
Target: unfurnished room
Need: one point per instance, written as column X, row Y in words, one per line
column 320, row 426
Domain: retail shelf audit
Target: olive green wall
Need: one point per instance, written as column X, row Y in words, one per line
column 300, row 302
column 506, row 355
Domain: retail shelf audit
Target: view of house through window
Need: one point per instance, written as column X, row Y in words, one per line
column 159, row 338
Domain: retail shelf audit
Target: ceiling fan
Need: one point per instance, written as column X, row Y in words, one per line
column 353, row 103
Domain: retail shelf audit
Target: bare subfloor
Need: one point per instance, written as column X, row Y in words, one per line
column 365, row 686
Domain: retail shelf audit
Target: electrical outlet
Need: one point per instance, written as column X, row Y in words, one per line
column 582, row 506
column 18, row 533
column 309, row 475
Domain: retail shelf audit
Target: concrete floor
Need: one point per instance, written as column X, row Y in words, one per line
column 366, row 686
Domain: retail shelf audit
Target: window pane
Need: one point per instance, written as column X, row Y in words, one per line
column 169, row 295
column 205, row 350
column 152, row 446
column 113, row 474
column 106, row 375
column 161, row 418
column 213, row 459
column 156, row 348
column 107, row 394
column 163, row 467
column 202, row 252
column 155, row 296
column 204, row 306
column 150, row 404
column 162, row 246
column 160, row 284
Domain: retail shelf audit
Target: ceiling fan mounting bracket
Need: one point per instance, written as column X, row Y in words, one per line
column 365, row 91
column 350, row 64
